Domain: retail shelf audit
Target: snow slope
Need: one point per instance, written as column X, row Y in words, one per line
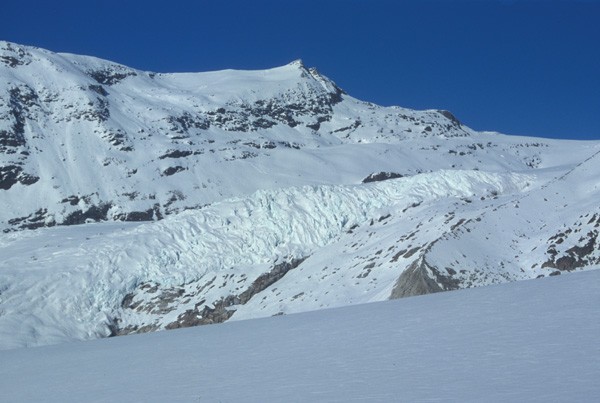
column 83, row 139
column 532, row 341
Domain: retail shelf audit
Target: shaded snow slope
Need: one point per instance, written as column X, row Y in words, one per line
column 527, row 341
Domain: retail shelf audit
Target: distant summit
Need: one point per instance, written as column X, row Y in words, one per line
column 297, row 63
column 154, row 136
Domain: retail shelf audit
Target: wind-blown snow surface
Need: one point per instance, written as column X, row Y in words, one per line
column 527, row 341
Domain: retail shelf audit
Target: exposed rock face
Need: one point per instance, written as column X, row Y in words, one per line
column 450, row 117
column 265, row 280
column 12, row 174
column 165, row 300
column 575, row 257
column 381, row 176
column 14, row 56
column 21, row 106
column 420, row 278
column 111, row 75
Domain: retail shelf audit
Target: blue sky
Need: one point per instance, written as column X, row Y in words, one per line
column 529, row 68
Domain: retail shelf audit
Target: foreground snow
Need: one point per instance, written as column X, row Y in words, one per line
column 525, row 341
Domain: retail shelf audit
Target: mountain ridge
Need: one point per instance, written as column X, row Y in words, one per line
column 95, row 123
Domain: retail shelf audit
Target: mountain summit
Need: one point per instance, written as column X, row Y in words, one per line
column 98, row 141
column 136, row 201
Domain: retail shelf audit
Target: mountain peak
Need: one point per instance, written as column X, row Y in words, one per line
column 297, row 63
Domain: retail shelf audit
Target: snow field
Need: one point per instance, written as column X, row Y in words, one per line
column 526, row 341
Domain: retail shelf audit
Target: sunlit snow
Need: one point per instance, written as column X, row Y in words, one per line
column 528, row 341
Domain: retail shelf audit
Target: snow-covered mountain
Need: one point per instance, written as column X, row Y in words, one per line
column 207, row 197
column 85, row 139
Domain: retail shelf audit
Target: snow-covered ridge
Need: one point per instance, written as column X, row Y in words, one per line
column 83, row 139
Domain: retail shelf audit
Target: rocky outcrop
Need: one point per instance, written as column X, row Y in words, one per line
column 381, row 176
column 448, row 115
column 163, row 300
column 112, row 75
column 12, row 174
column 575, row 257
column 22, row 100
column 420, row 278
column 13, row 55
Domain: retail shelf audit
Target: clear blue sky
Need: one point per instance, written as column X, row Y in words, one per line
column 530, row 68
